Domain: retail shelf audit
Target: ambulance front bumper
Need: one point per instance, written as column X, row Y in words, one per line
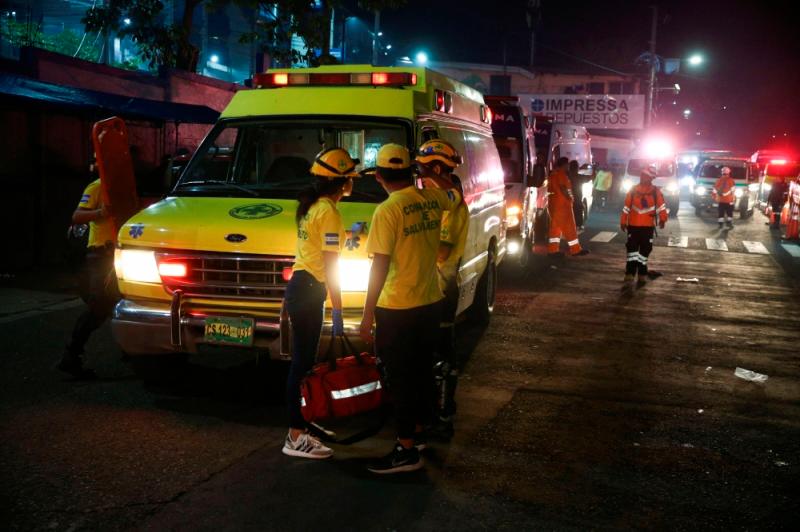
column 160, row 328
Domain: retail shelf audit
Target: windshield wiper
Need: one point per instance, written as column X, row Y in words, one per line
column 218, row 183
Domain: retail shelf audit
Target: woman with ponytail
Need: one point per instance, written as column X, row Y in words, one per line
column 320, row 235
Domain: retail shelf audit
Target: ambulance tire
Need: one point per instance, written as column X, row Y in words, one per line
column 673, row 209
column 744, row 210
column 483, row 304
column 526, row 252
column 585, row 211
column 541, row 225
column 158, row 369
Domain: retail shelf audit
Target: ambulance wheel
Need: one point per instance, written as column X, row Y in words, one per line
column 541, row 225
column 483, row 304
column 744, row 212
column 526, row 252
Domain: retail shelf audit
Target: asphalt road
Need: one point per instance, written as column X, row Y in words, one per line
column 581, row 407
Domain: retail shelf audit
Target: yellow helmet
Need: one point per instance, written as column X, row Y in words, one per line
column 334, row 163
column 438, row 150
column 394, row 157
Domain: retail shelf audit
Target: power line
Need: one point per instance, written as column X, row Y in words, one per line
column 598, row 65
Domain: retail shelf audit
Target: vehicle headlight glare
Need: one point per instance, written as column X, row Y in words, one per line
column 752, row 187
column 700, row 191
column 512, row 216
column 687, row 181
column 738, row 192
column 767, row 187
column 136, row 265
column 627, row 184
column 513, row 247
column 672, row 188
column 354, row 275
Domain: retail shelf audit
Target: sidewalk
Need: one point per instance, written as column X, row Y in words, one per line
column 36, row 292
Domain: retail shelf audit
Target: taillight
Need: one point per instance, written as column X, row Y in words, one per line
column 488, row 116
column 439, row 95
column 380, row 78
column 280, row 79
column 287, row 273
column 172, row 269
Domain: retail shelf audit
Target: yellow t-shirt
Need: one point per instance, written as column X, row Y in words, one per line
column 455, row 224
column 320, row 230
column 100, row 231
column 407, row 227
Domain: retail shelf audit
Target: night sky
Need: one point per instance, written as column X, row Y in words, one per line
column 751, row 51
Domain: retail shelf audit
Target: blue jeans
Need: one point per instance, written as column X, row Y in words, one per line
column 305, row 303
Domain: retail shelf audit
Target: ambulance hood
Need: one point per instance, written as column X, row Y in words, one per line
column 226, row 225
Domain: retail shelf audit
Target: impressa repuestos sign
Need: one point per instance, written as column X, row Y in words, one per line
column 599, row 111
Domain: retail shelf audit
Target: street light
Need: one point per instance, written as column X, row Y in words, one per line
column 687, row 113
column 214, row 58
column 696, row 60
column 421, row 58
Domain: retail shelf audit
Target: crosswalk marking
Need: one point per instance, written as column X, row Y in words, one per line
column 716, row 244
column 678, row 241
column 755, row 247
column 792, row 249
column 604, row 236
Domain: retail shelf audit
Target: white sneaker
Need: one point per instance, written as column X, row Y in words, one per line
column 306, row 446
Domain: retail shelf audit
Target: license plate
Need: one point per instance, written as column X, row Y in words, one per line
column 230, row 331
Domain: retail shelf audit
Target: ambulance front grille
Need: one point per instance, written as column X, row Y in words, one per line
column 228, row 275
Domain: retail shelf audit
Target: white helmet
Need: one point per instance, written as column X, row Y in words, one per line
column 726, row 170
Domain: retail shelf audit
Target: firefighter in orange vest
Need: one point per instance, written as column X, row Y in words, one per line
column 724, row 190
column 559, row 204
column 644, row 208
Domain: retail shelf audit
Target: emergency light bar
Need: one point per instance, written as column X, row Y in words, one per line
column 283, row 79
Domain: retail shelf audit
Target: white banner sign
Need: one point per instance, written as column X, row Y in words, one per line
column 594, row 111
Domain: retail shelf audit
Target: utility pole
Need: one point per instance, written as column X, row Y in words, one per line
column 375, row 31
column 653, row 65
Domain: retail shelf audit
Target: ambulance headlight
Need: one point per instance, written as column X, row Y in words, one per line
column 687, row 181
column 627, row 184
column 672, row 187
column 738, row 192
column 513, row 247
column 700, row 191
column 766, row 186
column 586, row 188
column 752, row 187
column 136, row 265
column 354, row 275
column 512, row 216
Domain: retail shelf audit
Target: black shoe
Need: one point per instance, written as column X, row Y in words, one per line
column 73, row 366
column 654, row 275
column 400, row 460
column 581, row 253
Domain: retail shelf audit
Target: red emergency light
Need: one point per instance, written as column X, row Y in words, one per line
column 338, row 79
column 172, row 269
column 287, row 273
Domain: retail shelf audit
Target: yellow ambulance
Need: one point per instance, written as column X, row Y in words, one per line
column 208, row 264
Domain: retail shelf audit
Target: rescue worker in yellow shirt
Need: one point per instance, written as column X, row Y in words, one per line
column 644, row 209
column 315, row 274
column 98, row 283
column 404, row 298
column 436, row 161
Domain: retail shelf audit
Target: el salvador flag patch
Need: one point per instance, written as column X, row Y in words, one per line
column 331, row 239
column 85, row 198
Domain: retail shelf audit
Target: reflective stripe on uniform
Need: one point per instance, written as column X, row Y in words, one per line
column 643, row 211
column 626, row 209
column 555, row 240
column 662, row 208
column 356, row 390
column 572, row 242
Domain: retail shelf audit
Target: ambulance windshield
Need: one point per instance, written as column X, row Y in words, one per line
column 663, row 168
column 273, row 158
column 714, row 169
